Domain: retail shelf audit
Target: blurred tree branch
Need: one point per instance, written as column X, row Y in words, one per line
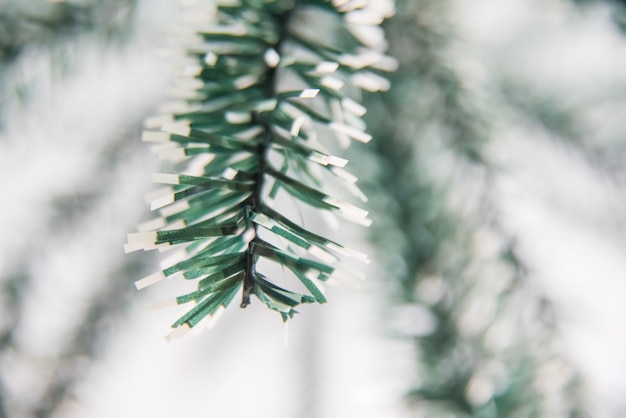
column 436, row 173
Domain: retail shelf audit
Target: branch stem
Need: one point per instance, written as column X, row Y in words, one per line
column 262, row 152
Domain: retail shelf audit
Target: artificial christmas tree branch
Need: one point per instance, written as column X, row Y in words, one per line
column 262, row 151
column 31, row 23
column 268, row 97
column 467, row 365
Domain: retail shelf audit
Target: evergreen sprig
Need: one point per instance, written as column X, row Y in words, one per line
column 32, row 22
column 485, row 338
column 266, row 85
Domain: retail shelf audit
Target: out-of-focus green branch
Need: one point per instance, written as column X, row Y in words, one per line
column 489, row 335
column 39, row 22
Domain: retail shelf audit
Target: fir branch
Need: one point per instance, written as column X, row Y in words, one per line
column 267, row 91
column 462, row 372
column 28, row 23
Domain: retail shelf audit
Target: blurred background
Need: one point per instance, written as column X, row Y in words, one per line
column 495, row 180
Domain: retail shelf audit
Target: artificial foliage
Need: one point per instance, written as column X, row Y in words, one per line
column 429, row 248
column 56, row 28
column 485, row 338
column 269, row 89
column 28, row 23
